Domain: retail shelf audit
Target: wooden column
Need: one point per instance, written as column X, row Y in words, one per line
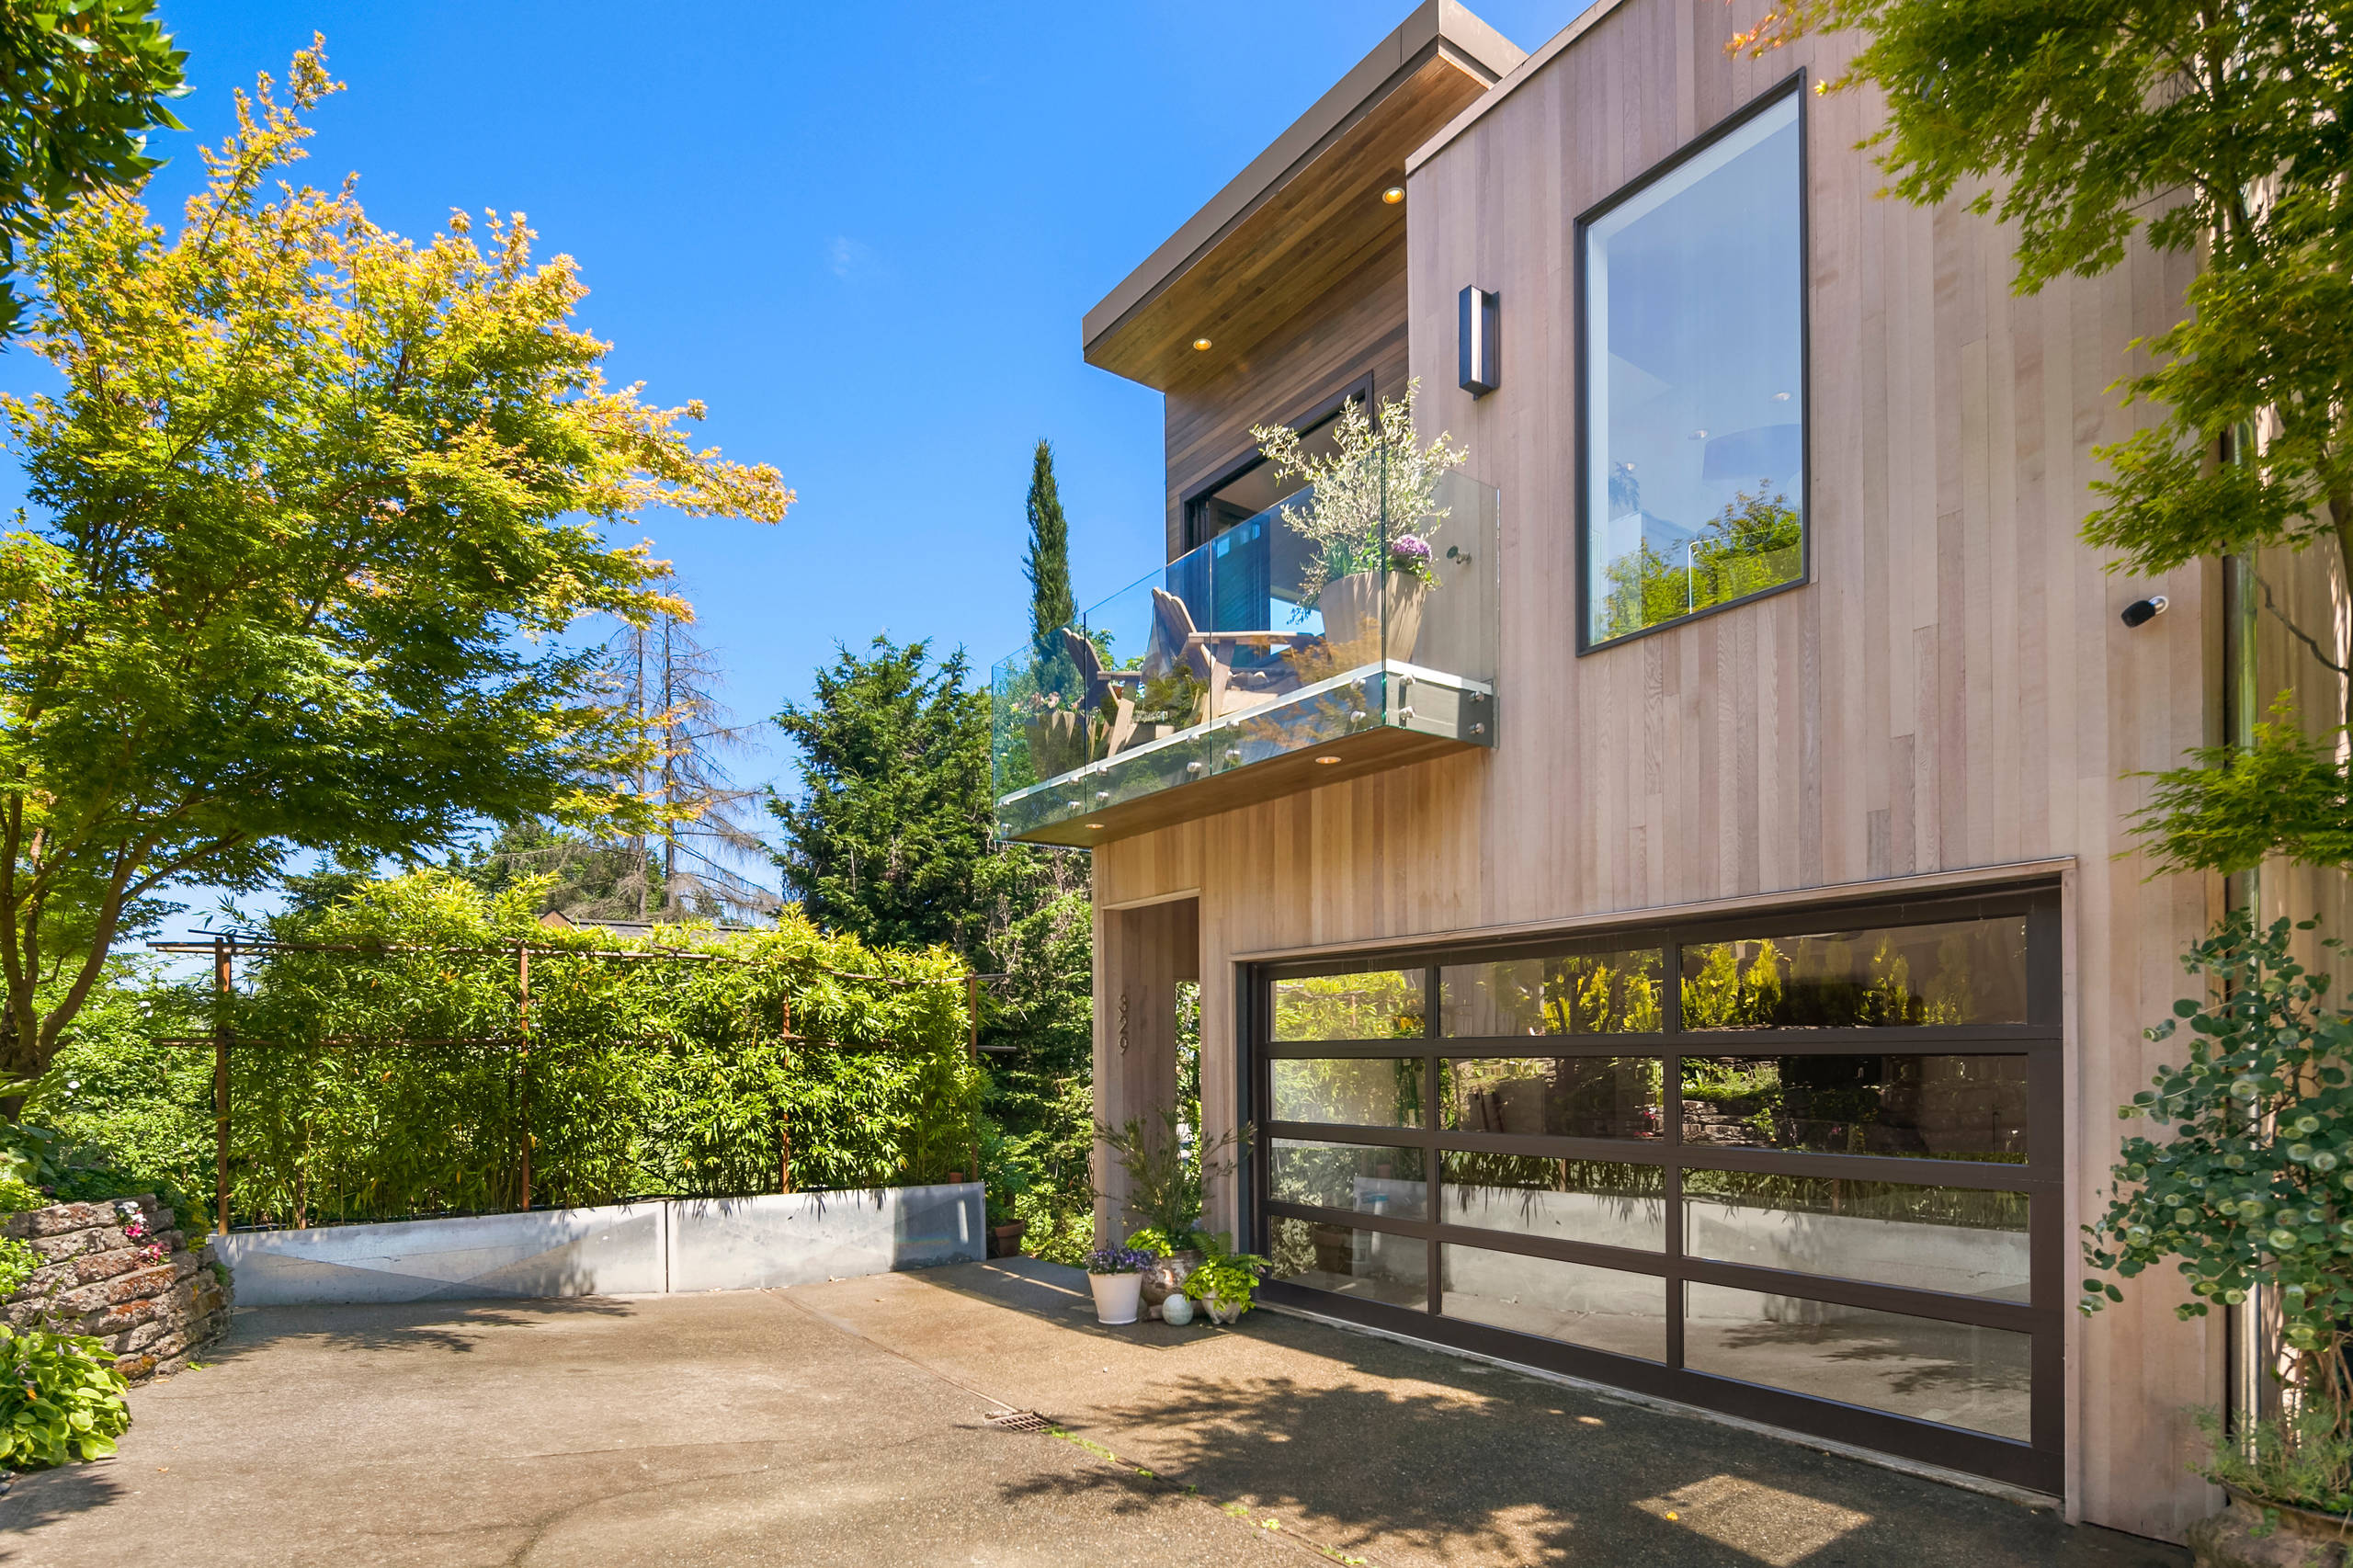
column 1141, row 955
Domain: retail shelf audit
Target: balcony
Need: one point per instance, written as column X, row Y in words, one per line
column 1250, row 669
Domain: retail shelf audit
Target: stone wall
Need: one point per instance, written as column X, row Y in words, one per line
column 117, row 1269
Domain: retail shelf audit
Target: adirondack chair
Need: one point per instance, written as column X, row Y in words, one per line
column 1210, row 655
column 1120, row 686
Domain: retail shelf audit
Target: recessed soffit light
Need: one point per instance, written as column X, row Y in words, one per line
column 1393, row 195
column 1328, row 761
column 1201, row 345
column 1095, row 825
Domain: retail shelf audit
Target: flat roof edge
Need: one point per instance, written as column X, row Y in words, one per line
column 1432, row 28
column 1529, row 65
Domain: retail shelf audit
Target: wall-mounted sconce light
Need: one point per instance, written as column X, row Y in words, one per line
column 1482, row 330
column 2140, row 612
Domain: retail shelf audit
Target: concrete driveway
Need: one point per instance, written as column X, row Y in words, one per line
column 850, row 1423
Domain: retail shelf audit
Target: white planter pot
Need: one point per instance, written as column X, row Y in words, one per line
column 1219, row 1312
column 1115, row 1296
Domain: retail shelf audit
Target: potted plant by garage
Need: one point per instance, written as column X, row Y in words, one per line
column 1165, row 1169
column 1116, row 1275
column 1227, row 1281
column 1172, row 1259
column 2250, row 1190
column 1368, row 519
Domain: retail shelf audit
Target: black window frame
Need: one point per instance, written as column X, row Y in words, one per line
column 1322, row 409
column 2036, row 1463
column 1791, row 85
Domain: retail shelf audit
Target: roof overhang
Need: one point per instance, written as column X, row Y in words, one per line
column 1304, row 214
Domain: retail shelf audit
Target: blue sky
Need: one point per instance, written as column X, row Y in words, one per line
column 864, row 234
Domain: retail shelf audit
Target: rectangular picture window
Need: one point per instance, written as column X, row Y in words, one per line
column 1958, row 1240
column 1553, row 1096
column 1347, row 1091
column 1368, row 1179
column 1347, row 1261
column 1937, row 1108
column 1602, row 1309
column 1955, row 973
column 1603, row 1202
column 1584, row 993
column 1959, row 1374
column 1382, row 1005
column 1694, row 380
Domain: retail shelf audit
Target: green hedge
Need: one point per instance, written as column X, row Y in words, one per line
column 647, row 1075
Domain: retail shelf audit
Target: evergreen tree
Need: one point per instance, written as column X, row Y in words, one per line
column 886, row 840
column 1048, row 564
column 596, row 882
column 889, row 840
column 690, row 864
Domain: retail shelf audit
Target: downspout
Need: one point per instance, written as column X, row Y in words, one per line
column 2250, row 1395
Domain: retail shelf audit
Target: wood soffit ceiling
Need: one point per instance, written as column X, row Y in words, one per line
column 1307, row 228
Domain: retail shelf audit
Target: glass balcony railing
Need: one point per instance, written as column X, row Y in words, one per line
column 1258, row 648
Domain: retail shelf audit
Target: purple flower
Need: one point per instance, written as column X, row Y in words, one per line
column 1410, row 549
column 1119, row 1260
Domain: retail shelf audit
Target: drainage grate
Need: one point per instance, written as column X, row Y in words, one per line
column 1019, row 1421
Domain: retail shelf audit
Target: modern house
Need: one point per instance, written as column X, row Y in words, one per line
column 1682, row 927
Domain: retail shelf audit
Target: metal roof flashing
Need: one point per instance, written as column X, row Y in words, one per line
column 1511, row 80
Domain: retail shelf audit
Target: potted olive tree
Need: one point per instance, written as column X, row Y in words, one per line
column 1369, row 521
column 2251, row 1185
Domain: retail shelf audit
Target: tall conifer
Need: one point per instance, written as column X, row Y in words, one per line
column 1048, row 563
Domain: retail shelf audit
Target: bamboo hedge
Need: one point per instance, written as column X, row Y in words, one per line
column 401, row 1061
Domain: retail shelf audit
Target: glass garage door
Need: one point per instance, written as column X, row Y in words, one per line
column 1803, row 1169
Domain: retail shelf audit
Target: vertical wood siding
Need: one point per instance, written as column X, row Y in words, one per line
column 1951, row 689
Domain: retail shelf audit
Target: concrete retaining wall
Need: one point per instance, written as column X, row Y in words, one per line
column 730, row 1244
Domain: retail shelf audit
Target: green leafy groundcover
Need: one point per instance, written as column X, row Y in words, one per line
column 404, row 1078
column 61, row 1399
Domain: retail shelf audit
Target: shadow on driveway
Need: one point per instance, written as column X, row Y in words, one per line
column 1400, row 1455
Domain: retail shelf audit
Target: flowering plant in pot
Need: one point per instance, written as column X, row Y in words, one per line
column 1164, row 1180
column 1369, row 518
column 1116, row 1275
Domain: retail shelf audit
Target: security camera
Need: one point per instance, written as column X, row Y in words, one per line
column 2140, row 612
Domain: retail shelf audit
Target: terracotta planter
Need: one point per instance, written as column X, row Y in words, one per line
column 2249, row 1534
column 1115, row 1296
column 1005, row 1241
column 1351, row 607
column 1166, row 1277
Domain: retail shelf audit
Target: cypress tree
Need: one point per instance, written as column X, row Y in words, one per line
column 1048, row 564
